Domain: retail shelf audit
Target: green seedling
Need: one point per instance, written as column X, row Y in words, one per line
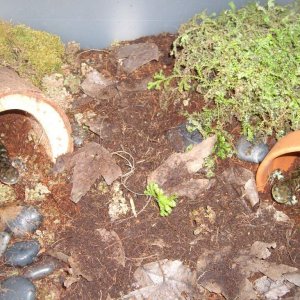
column 165, row 203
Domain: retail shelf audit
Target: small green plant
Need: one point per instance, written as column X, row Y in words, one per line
column 165, row 203
column 245, row 63
column 209, row 166
column 189, row 148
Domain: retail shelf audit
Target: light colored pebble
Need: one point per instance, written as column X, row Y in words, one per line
column 4, row 240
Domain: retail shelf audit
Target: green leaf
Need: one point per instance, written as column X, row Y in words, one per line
column 232, row 5
column 165, row 203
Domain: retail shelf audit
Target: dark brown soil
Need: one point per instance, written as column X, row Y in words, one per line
column 141, row 125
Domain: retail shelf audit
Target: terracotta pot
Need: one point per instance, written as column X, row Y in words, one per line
column 281, row 156
column 18, row 94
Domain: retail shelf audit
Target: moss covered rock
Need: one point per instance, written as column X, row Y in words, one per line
column 31, row 53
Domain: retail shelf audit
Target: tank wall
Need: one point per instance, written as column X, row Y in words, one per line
column 98, row 23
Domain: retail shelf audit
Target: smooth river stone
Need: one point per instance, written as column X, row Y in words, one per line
column 22, row 254
column 4, row 240
column 26, row 221
column 41, row 269
column 17, row 288
column 252, row 152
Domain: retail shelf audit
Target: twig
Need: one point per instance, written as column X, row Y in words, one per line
column 132, row 206
column 144, row 207
column 131, row 165
column 124, row 178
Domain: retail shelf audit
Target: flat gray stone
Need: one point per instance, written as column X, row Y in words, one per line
column 17, row 288
column 22, row 254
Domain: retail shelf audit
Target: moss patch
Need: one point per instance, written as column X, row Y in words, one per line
column 31, row 53
column 246, row 64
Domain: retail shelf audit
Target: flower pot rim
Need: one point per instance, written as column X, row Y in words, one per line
column 281, row 156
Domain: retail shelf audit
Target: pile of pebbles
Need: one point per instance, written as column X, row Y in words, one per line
column 20, row 222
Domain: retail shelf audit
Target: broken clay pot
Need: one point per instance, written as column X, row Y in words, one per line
column 17, row 94
column 281, row 156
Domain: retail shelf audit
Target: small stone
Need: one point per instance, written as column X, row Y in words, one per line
column 252, row 152
column 38, row 193
column 22, row 254
column 17, row 288
column 41, row 269
column 4, row 240
column 7, row 194
column 79, row 134
column 96, row 85
column 26, row 221
column 181, row 138
column 280, row 216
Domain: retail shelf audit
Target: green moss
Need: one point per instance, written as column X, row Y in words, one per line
column 246, row 64
column 31, row 53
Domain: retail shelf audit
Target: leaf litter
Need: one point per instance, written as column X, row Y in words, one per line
column 231, row 226
column 272, row 283
column 179, row 169
column 164, row 279
column 89, row 163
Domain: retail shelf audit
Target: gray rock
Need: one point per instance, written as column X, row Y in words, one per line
column 252, row 152
column 181, row 138
column 17, row 288
column 4, row 240
column 41, row 269
column 96, row 85
column 22, row 254
column 27, row 221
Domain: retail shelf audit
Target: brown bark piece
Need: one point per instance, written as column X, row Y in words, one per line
column 182, row 164
column 90, row 162
column 134, row 56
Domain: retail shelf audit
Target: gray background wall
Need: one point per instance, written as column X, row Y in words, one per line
column 97, row 23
